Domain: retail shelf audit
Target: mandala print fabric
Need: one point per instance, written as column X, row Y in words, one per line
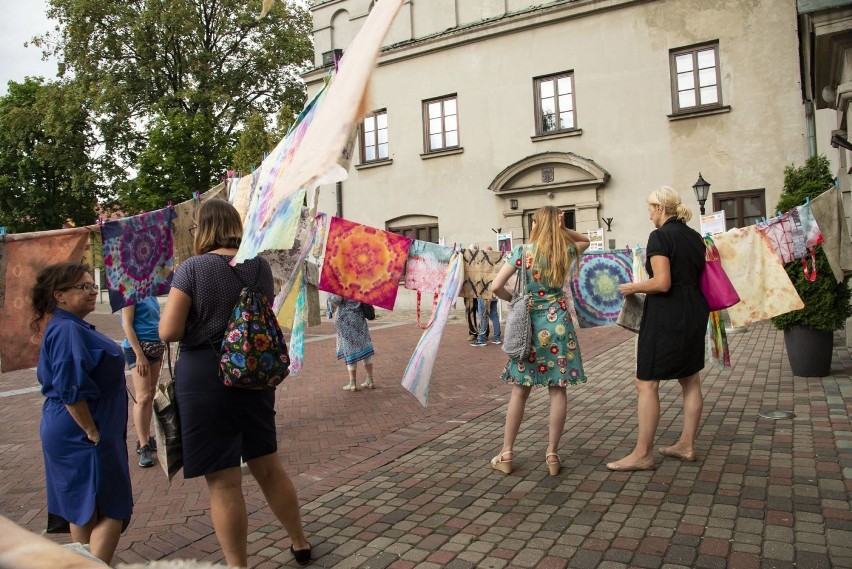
column 138, row 257
column 363, row 263
column 596, row 296
column 426, row 266
column 480, row 268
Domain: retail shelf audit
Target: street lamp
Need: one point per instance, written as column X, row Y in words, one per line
column 702, row 189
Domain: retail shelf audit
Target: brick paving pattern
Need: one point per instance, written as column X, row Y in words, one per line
column 385, row 482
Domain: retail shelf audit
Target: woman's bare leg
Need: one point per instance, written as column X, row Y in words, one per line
column 280, row 495
column 228, row 511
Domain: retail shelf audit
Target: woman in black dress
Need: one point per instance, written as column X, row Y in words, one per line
column 673, row 327
column 221, row 425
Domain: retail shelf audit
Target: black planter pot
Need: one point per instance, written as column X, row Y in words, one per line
column 809, row 351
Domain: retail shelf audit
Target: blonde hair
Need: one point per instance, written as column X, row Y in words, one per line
column 219, row 226
column 670, row 200
column 553, row 245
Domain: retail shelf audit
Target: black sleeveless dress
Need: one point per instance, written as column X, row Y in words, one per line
column 674, row 323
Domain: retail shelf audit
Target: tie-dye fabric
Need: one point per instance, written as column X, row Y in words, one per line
column 831, row 218
column 778, row 232
column 426, row 266
column 418, row 373
column 241, row 196
column 184, row 219
column 480, row 268
column 596, row 295
column 26, row 255
column 297, row 337
column 290, row 280
column 758, row 276
column 318, row 149
column 284, row 262
column 813, row 236
column 717, row 341
column 363, row 263
column 265, row 218
column 800, row 249
column 138, row 257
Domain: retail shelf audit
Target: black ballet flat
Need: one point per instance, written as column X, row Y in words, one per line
column 303, row 556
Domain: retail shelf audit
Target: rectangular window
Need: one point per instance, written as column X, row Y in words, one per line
column 419, row 232
column 441, row 123
column 741, row 208
column 374, row 137
column 696, row 79
column 554, row 103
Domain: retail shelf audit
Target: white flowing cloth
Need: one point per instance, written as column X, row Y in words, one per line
column 419, row 370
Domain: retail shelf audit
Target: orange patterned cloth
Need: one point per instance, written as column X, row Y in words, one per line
column 758, row 276
column 363, row 263
column 26, row 255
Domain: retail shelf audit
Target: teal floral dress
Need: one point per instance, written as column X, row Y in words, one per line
column 555, row 358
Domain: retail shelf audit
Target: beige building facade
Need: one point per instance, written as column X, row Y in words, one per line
column 484, row 110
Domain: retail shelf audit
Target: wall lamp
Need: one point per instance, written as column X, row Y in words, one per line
column 513, row 204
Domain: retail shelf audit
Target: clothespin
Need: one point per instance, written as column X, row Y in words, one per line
column 3, row 233
column 196, row 197
column 101, row 222
column 169, row 204
column 807, row 200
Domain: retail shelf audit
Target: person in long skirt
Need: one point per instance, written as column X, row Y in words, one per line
column 353, row 340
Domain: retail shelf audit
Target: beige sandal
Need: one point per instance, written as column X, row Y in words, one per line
column 351, row 386
column 501, row 464
column 368, row 383
column 553, row 467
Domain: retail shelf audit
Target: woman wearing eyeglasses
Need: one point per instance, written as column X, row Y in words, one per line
column 84, row 418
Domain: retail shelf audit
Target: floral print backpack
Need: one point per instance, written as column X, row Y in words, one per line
column 254, row 354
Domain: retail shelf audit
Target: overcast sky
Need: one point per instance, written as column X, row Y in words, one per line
column 22, row 19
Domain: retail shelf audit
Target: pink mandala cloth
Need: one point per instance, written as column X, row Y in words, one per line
column 138, row 257
column 363, row 263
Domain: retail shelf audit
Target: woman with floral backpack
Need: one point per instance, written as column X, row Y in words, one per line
column 220, row 425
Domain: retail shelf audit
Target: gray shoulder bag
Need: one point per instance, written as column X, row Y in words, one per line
column 517, row 339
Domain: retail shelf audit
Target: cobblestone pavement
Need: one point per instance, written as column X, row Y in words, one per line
column 385, row 482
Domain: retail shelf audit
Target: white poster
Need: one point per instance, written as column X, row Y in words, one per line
column 596, row 239
column 713, row 223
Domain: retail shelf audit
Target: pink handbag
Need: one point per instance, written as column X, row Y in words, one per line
column 715, row 284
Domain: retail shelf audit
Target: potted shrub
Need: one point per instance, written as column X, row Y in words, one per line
column 809, row 332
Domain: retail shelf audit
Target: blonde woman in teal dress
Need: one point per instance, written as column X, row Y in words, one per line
column 554, row 362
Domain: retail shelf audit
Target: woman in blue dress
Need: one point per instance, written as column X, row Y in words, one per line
column 554, row 361
column 84, row 418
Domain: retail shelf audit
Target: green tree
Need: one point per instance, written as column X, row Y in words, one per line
column 142, row 61
column 178, row 160
column 47, row 177
column 253, row 144
column 826, row 301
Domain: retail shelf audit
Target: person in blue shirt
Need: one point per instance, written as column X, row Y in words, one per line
column 143, row 352
column 84, row 418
